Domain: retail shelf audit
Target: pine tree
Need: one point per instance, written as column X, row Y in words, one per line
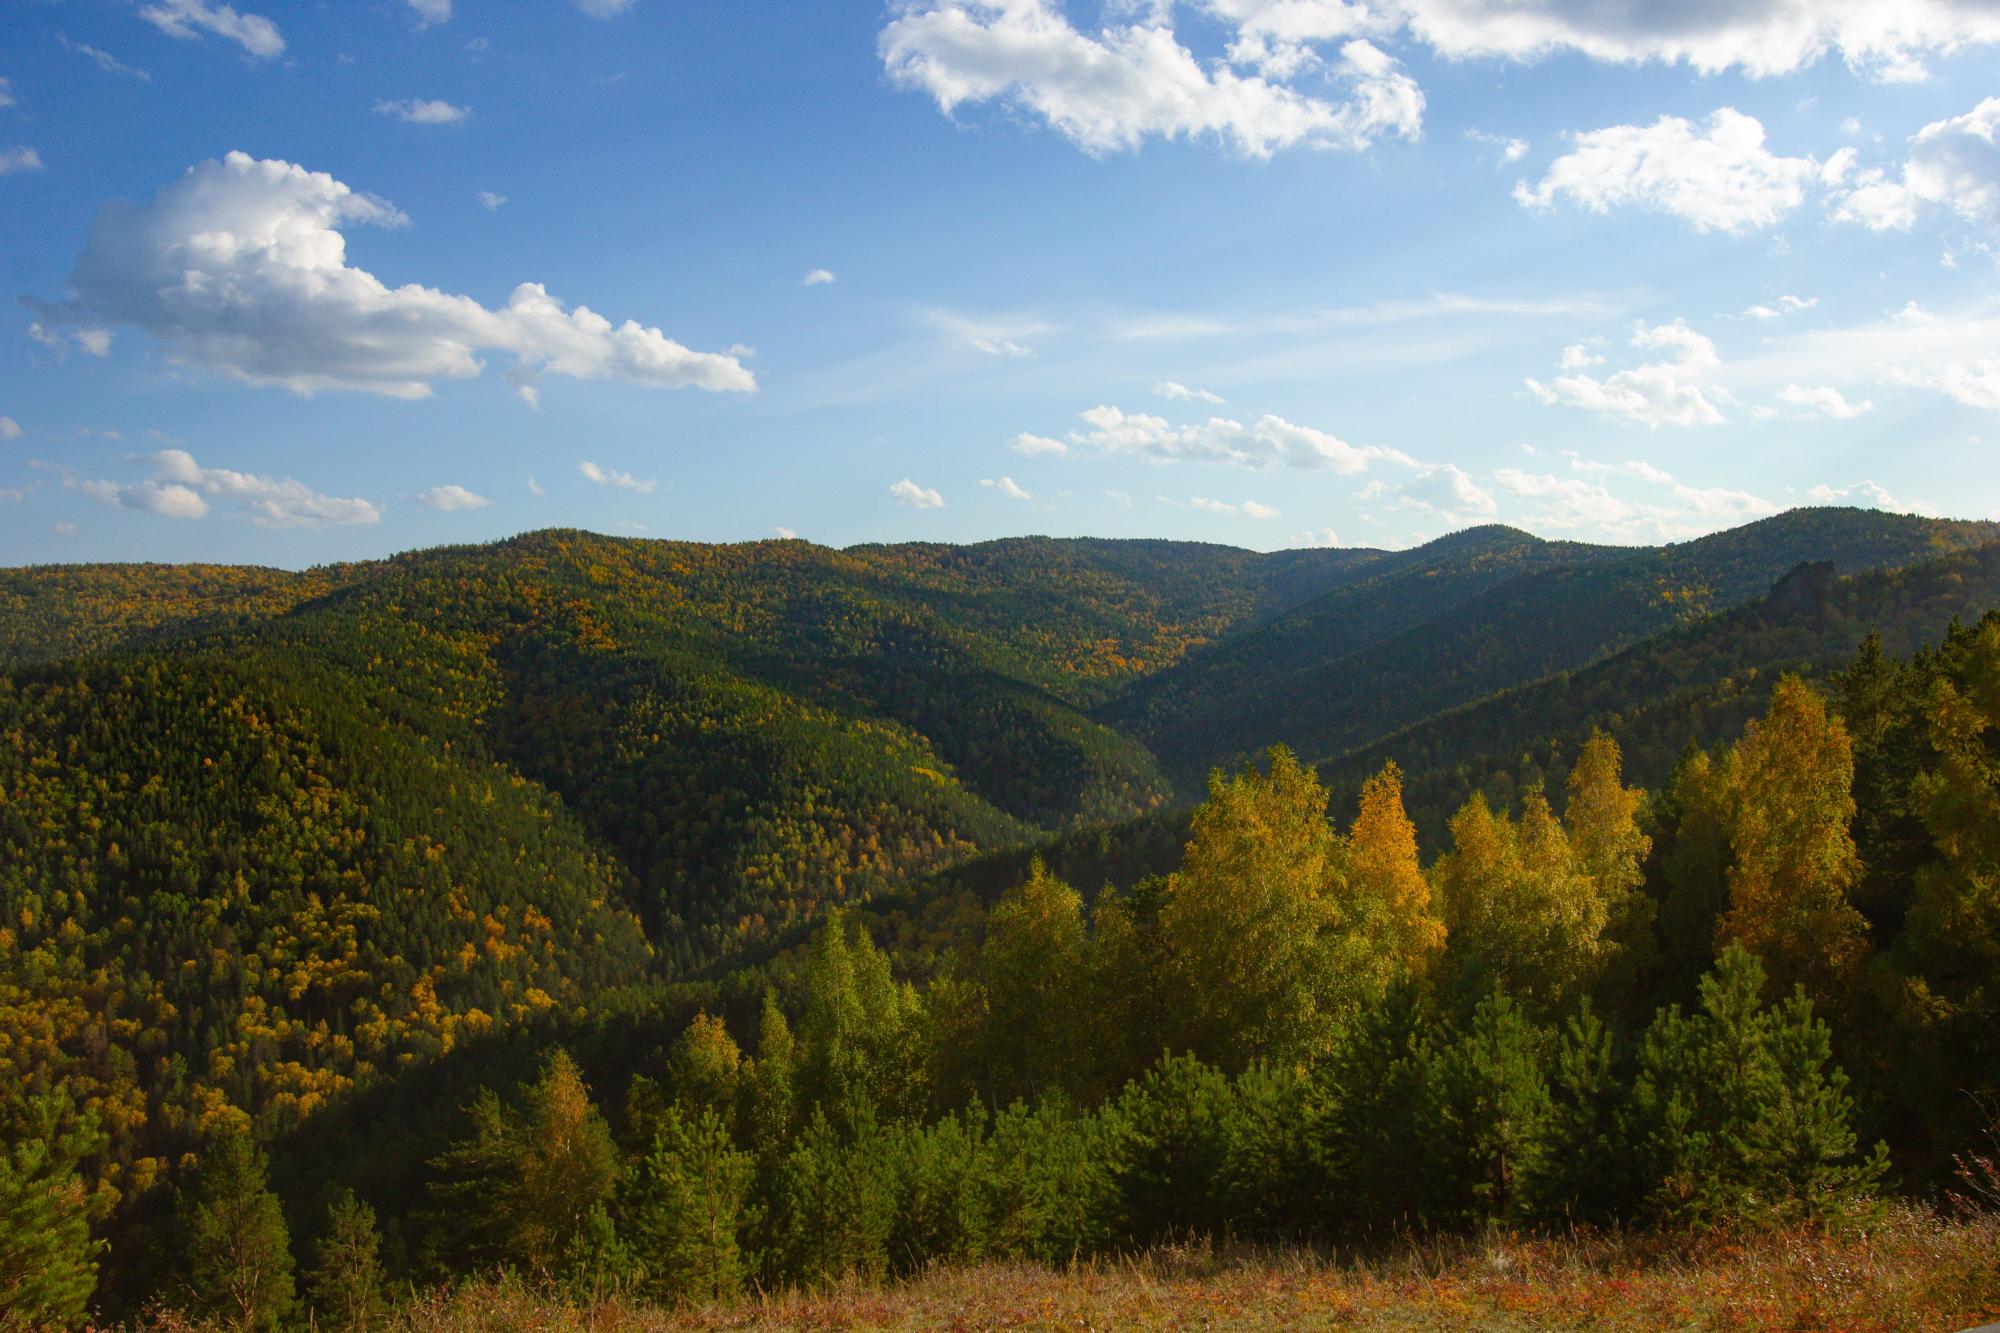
column 1583, row 1172
column 48, row 1260
column 473, row 1201
column 1051, row 1191
column 1486, row 1114
column 941, row 1179
column 1274, row 1180
column 346, row 1279
column 1791, row 780
column 1738, row 1114
column 1168, row 1138
column 1376, row 1099
column 597, row 1261
column 237, row 1251
column 681, row 1209
column 831, row 1208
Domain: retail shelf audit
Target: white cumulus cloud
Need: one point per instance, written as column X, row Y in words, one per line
column 1007, row 486
column 1721, row 178
column 1785, row 305
column 1882, row 39
column 1179, row 392
column 430, row 12
column 452, row 498
column 240, row 268
column 1448, row 492
column 1270, row 441
column 1953, row 164
column 490, row 201
column 181, row 488
column 916, row 497
column 603, row 9
column 1666, row 510
column 1868, row 495
column 1038, row 446
column 10, row 429
column 1674, row 391
column 19, row 159
column 419, row 111
column 1125, row 83
column 1247, row 509
column 1509, row 150
column 624, row 481
column 188, row 19
column 819, row 277
column 1821, row 401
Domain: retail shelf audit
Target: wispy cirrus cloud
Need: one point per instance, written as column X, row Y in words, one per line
column 189, row 19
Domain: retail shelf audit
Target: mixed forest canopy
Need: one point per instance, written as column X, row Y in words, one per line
column 686, row 919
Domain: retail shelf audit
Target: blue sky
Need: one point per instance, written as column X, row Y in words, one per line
column 308, row 282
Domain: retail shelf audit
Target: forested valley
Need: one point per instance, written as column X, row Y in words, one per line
column 690, row 925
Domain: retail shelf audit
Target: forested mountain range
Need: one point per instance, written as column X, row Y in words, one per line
column 274, row 843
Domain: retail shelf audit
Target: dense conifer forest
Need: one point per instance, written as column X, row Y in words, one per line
column 680, row 924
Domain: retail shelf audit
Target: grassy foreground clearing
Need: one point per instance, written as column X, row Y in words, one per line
column 1916, row 1272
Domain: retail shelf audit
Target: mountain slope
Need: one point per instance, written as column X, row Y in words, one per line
column 1321, row 683
column 1696, row 683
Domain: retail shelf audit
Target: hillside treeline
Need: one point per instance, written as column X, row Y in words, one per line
column 1765, row 993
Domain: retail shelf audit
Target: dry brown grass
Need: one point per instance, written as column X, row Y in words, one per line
column 1917, row 1272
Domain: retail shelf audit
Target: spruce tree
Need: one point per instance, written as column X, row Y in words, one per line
column 237, row 1251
